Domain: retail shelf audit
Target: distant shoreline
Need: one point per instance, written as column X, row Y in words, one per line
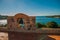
column 55, row 16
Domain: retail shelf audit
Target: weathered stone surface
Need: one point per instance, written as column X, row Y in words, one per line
column 13, row 21
column 23, row 36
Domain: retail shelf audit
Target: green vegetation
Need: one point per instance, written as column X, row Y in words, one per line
column 3, row 25
column 39, row 25
column 51, row 24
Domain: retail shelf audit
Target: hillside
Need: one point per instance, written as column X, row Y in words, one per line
column 3, row 17
column 54, row 16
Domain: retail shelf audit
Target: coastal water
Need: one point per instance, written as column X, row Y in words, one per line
column 45, row 20
column 39, row 19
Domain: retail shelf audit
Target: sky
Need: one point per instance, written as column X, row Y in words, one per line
column 30, row 7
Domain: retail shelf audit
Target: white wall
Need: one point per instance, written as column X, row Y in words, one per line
column 3, row 22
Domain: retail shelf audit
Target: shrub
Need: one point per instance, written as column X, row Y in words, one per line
column 52, row 24
column 39, row 25
column 3, row 25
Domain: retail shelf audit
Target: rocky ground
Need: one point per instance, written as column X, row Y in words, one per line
column 3, row 36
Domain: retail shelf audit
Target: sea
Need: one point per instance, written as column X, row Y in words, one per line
column 39, row 19
column 45, row 19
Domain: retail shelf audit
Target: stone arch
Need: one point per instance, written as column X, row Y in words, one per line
column 23, row 16
column 28, row 21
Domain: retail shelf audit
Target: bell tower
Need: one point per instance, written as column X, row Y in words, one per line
column 21, row 20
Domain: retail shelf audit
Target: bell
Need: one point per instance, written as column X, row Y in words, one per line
column 21, row 21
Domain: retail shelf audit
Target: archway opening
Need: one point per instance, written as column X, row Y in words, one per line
column 21, row 22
